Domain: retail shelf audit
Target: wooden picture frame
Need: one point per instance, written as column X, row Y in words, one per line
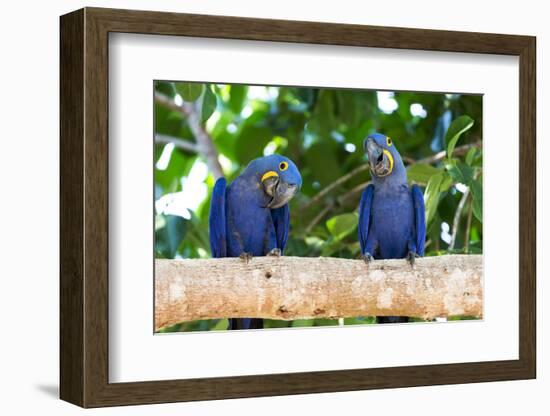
column 84, row 207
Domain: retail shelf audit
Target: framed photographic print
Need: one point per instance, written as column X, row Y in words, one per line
column 256, row 207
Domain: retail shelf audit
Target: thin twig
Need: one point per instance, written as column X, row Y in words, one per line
column 169, row 103
column 335, row 184
column 318, row 218
column 205, row 145
column 459, row 151
column 456, row 219
column 182, row 144
column 357, row 189
column 468, row 226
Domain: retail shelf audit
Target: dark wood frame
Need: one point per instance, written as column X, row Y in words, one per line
column 84, row 207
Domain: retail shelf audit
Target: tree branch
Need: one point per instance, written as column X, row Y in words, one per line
column 468, row 226
column 458, row 151
column 305, row 287
column 318, row 218
column 456, row 219
column 182, row 144
column 335, row 184
column 205, row 144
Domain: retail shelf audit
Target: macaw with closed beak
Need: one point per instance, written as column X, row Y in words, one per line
column 250, row 217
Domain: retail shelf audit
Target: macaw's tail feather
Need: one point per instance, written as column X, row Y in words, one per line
column 245, row 323
column 392, row 319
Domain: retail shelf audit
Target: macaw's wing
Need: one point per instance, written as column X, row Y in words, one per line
column 364, row 216
column 218, row 240
column 419, row 219
column 281, row 221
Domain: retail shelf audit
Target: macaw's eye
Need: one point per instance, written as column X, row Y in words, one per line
column 388, row 141
column 283, row 166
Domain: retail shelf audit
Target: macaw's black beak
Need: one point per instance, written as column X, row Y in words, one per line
column 380, row 160
column 279, row 191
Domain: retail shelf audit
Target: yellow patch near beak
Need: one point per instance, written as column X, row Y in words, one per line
column 390, row 158
column 269, row 174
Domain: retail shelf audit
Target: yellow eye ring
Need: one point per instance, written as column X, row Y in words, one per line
column 283, row 166
column 388, row 141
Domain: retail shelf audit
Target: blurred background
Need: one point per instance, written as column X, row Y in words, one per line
column 204, row 131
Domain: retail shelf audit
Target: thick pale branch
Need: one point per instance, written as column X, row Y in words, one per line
column 305, row 287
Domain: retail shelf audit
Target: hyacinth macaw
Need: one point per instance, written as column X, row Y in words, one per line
column 250, row 217
column 392, row 222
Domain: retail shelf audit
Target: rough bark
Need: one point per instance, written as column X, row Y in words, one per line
column 303, row 287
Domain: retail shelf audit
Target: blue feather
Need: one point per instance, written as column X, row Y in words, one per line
column 217, row 224
column 241, row 221
column 364, row 217
column 281, row 222
column 420, row 219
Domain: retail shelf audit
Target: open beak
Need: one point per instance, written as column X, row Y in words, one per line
column 279, row 191
column 380, row 159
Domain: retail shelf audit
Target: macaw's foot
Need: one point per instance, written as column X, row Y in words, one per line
column 246, row 256
column 367, row 258
column 276, row 252
column 411, row 257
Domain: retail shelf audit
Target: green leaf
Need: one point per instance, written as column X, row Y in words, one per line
column 323, row 120
column 189, row 91
column 325, row 322
column 167, row 121
column 431, row 195
column 446, row 183
column 221, row 325
column 461, row 172
column 422, row 172
column 302, row 322
column 360, row 320
column 322, row 161
column 477, row 194
column 166, row 88
column 471, row 155
column 456, row 129
column 209, row 103
column 169, row 237
column 342, row 225
column 276, row 323
column 237, row 97
column 251, row 143
column 178, row 166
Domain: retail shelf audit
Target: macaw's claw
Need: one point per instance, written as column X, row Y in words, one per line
column 367, row 258
column 276, row 252
column 246, row 256
column 411, row 257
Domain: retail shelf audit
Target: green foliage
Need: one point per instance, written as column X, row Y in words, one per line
column 432, row 195
column 421, row 173
column 459, row 126
column 342, row 225
column 209, row 103
column 189, row 91
column 322, row 131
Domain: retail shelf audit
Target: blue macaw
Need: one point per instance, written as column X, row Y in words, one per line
column 250, row 217
column 392, row 222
